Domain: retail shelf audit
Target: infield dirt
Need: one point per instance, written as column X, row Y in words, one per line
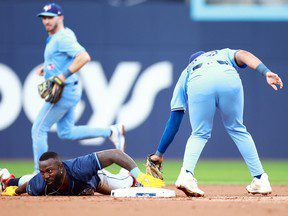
column 218, row 200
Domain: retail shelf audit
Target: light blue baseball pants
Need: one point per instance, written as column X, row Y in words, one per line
column 61, row 113
column 207, row 92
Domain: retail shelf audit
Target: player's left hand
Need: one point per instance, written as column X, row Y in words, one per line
column 273, row 79
column 62, row 78
column 51, row 89
column 10, row 191
column 153, row 166
column 149, row 181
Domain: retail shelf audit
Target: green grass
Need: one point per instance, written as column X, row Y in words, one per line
column 207, row 171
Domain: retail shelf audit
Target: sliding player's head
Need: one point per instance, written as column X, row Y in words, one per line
column 51, row 168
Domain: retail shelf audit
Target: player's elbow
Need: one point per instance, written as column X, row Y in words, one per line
column 241, row 57
column 86, row 57
column 242, row 54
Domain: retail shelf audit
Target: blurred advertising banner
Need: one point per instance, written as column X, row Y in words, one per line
column 239, row 10
column 138, row 53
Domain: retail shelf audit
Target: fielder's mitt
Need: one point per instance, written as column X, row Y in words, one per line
column 153, row 168
column 50, row 93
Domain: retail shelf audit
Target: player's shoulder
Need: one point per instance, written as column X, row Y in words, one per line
column 67, row 33
column 228, row 50
column 36, row 185
column 222, row 51
column 78, row 160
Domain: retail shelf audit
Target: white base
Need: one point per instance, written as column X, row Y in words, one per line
column 143, row 192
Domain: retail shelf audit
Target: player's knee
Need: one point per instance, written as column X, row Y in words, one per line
column 64, row 134
column 238, row 128
column 35, row 130
column 202, row 134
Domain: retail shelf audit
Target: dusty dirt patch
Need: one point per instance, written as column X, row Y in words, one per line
column 218, row 200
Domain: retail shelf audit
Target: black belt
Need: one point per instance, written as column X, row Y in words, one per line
column 200, row 65
column 71, row 84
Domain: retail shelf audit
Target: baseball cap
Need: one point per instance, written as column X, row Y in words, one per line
column 51, row 10
column 195, row 55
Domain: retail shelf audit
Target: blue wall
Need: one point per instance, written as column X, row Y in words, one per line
column 150, row 33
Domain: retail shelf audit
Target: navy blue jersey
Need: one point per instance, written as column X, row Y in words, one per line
column 82, row 176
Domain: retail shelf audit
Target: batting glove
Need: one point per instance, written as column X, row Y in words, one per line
column 10, row 191
column 149, row 181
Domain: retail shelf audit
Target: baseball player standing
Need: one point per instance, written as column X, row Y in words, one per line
column 211, row 81
column 63, row 58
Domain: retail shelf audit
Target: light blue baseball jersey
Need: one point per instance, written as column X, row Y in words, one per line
column 216, row 60
column 61, row 49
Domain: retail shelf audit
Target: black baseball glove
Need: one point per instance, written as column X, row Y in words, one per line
column 51, row 89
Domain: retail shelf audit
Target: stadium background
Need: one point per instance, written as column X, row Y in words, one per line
column 149, row 33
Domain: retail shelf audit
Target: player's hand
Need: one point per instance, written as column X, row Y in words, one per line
column 154, row 166
column 273, row 80
column 149, row 181
column 156, row 158
column 10, row 191
column 62, row 77
column 57, row 90
column 40, row 70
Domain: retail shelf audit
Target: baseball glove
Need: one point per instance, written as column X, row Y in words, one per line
column 153, row 168
column 51, row 89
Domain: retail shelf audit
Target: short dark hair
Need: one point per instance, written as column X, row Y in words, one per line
column 49, row 155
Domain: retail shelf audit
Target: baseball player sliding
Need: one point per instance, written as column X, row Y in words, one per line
column 79, row 176
column 211, row 81
column 63, row 58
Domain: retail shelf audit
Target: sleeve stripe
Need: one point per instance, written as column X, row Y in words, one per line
column 243, row 66
column 27, row 190
column 97, row 160
column 178, row 108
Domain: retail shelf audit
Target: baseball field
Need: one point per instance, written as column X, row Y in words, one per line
column 223, row 182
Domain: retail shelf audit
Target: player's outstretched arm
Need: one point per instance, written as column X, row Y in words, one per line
column 21, row 189
column 171, row 129
column 15, row 190
column 154, row 161
column 243, row 57
column 109, row 157
column 115, row 156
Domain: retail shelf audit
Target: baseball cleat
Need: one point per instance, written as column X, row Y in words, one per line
column 260, row 186
column 5, row 176
column 188, row 184
column 118, row 136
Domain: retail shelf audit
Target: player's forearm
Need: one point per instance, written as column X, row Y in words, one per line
column 76, row 65
column 244, row 57
column 170, row 131
column 21, row 189
column 79, row 62
column 115, row 156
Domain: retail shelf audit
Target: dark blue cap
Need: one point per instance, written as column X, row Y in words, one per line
column 195, row 55
column 51, row 10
